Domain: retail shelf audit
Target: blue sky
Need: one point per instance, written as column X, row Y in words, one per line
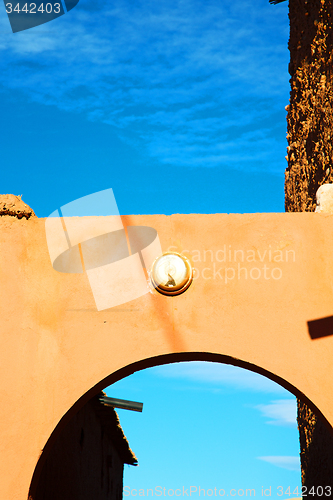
column 145, row 97
column 209, row 425
column 178, row 105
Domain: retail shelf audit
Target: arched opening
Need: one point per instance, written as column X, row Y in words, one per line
column 209, row 429
column 118, row 378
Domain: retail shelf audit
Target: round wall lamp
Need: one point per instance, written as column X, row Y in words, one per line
column 171, row 274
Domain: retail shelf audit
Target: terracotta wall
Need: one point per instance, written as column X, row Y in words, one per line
column 58, row 350
column 310, row 153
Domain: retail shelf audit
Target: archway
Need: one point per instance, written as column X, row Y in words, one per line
column 58, row 343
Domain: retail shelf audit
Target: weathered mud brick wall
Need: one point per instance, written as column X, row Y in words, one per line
column 310, row 117
column 310, row 155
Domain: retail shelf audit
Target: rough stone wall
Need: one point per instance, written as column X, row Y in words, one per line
column 310, row 156
column 316, row 445
column 310, row 113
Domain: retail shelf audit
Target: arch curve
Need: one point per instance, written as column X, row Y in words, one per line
column 57, row 342
column 160, row 361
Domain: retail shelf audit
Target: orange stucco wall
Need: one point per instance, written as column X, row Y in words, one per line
column 55, row 346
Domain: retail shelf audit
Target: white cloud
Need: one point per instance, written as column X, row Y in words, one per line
column 218, row 375
column 280, row 412
column 286, row 462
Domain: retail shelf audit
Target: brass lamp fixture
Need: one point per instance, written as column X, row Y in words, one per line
column 171, row 274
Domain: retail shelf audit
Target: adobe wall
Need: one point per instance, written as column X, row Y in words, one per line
column 310, row 135
column 58, row 350
column 87, row 460
column 310, row 113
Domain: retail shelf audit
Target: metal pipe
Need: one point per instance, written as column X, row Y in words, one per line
column 124, row 404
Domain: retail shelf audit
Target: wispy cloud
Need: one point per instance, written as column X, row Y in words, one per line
column 219, row 375
column 280, row 412
column 199, row 83
column 286, row 462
